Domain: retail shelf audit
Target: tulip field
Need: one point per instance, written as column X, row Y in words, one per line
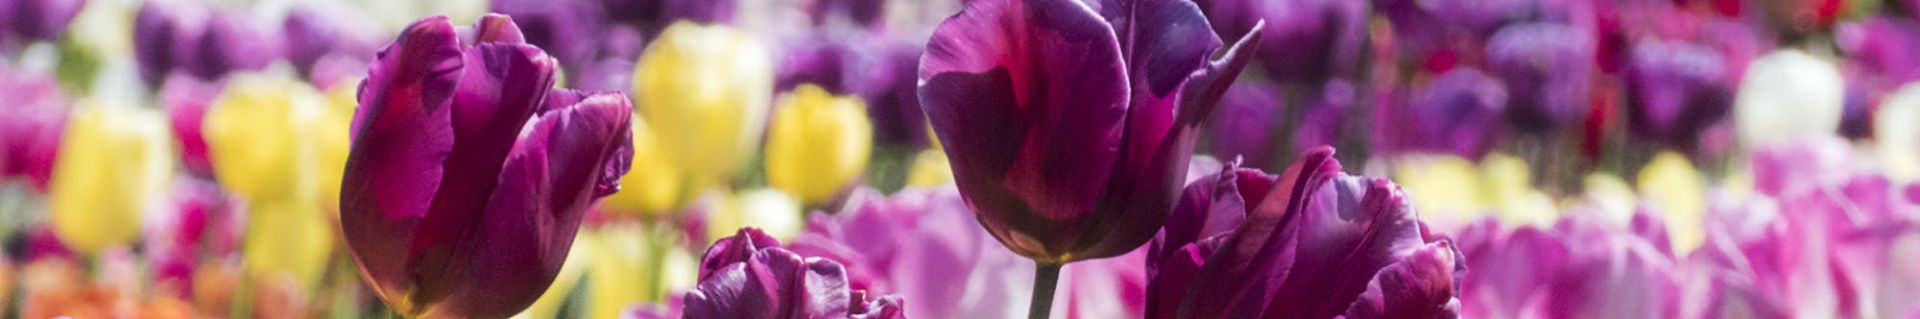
column 884, row 159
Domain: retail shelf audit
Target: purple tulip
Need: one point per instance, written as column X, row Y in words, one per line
column 469, row 173
column 1547, row 68
column 1457, row 112
column 161, row 30
column 654, row 15
column 31, row 126
column 1311, row 243
column 749, row 275
column 38, row 20
column 230, row 42
column 571, row 29
column 871, row 14
column 1304, row 42
column 879, row 69
column 314, row 32
column 1069, row 143
column 1676, row 90
column 1246, row 121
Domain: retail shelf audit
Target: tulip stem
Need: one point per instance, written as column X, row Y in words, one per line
column 1046, row 276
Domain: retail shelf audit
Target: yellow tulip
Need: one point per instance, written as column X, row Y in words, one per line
column 113, row 163
column 267, row 137
column 1671, row 183
column 930, row 169
column 1509, row 185
column 1442, row 186
column 704, row 90
column 768, row 209
column 334, row 141
column 818, row 143
column 1612, row 197
column 654, row 185
column 631, row 263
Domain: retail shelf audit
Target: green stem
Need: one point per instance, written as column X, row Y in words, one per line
column 1046, row 276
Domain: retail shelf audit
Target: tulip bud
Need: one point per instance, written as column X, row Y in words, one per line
column 114, row 162
column 469, row 173
column 704, row 90
column 263, row 136
column 818, row 144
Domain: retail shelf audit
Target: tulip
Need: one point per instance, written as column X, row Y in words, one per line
column 818, row 143
column 657, row 190
column 748, row 275
column 1065, row 143
column 632, row 264
column 1305, row 41
column 1576, row 268
column 38, row 20
column 1245, row 128
column 1675, row 91
column 1548, row 68
column 1897, row 128
column 469, row 173
column 314, row 32
column 704, row 90
column 186, row 100
column 1670, row 182
column 113, row 163
column 30, row 132
column 263, row 135
column 1311, row 243
column 1788, row 94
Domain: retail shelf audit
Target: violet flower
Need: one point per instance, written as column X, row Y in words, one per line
column 1675, row 91
column 1312, row 243
column 748, row 275
column 38, row 20
column 1547, row 68
column 469, row 173
column 1245, row 125
column 1068, row 141
column 315, row 32
column 207, row 44
column 1457, row 112
column 186, row 100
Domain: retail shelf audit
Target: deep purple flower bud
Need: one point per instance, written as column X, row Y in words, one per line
column 1068, row 140
column 749, row 275
column 469, row 173
column 231, row 41
column 1547, row 68
column 1457, row 112
column 39, row 20
column 871, row 14
column 1310, row 243
column 1676, row 90
column 163, row 32
column 31, row 126
column 314, row 32
column 570, row 29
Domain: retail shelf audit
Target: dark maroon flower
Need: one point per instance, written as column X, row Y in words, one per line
column 469, row 173
column 1311, row 243
column 749, row 275
column 1068, row 129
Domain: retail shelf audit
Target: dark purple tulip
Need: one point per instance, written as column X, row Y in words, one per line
column 654, row 15
column 571, row 30
column 163, row 32
column 749, row 275
column 30, row 126
column 38, row 20
column 1069, row 142
column 1676, row 90
column 1323, row 121
column 1547, row 68
column 1311, row 243
column 230, row 42
column 1246, row 121
column 1457, row 112
column 469, row 173
column 870, row 14
column 315, row 32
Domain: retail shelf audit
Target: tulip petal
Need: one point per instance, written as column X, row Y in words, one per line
column 496, row 28
column 1030, row 112
column 732, row 292
column 735, row 249
column 402, row 134
column 1419, row 287
column 522, row 240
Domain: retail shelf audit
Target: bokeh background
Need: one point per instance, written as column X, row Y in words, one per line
column 1593, row 158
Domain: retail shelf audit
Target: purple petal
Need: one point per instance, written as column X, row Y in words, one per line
column 1676, row 90
column 1030, row 114
column 402, row 134
column 496, row 28
column 1420, row 286
column 734, row 249
column 1547, row 68
column 733, row 292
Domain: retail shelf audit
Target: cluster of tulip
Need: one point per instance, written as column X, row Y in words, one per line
column 960, row 158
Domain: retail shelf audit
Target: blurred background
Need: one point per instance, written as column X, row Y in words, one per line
column 182, row 159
